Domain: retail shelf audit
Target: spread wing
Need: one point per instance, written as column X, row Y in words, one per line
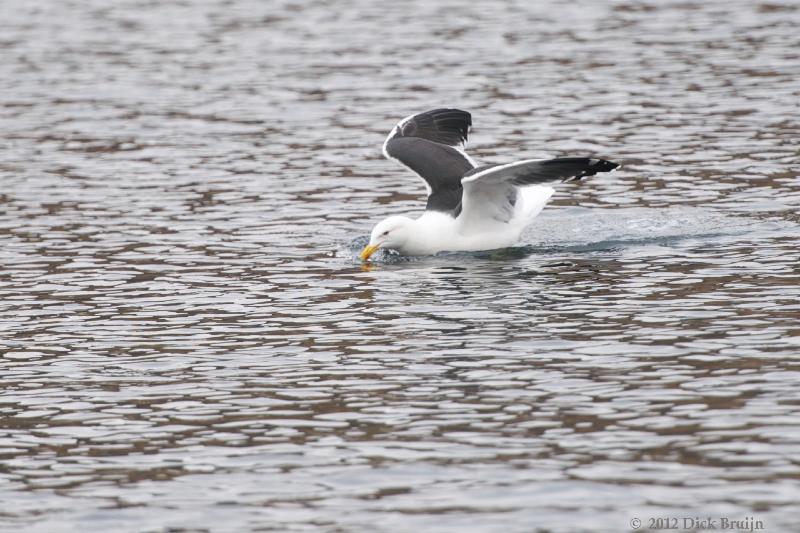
column 432, row 145
column 490, row 192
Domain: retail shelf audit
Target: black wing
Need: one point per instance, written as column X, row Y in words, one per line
column 490, row 192
column 538, row 171
column 432, row 145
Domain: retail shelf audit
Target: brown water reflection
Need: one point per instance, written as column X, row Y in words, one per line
column 189, row 342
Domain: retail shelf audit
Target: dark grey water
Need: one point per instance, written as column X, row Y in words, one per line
column 190, row 344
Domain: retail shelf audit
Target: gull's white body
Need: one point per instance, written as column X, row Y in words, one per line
column 435, row 232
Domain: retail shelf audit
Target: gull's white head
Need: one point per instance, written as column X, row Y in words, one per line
column 392, row 232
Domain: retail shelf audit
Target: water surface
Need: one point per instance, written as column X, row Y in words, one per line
column 190, row 344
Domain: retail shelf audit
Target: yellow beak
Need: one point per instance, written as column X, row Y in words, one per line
column 368, row 251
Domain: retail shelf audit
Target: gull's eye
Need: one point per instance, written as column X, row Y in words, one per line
column 385, row 232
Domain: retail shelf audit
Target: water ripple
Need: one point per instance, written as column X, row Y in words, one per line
column 190, row 343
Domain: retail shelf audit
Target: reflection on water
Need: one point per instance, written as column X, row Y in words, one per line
column 189, row 342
